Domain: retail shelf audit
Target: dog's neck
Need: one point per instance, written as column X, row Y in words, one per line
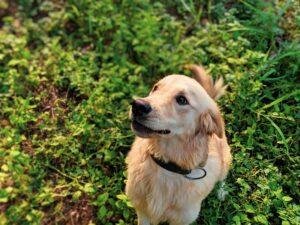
column 187, row 152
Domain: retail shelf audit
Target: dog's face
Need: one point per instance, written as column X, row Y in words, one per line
column 177, row 105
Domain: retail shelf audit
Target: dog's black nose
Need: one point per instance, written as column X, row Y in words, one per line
column 140, row 107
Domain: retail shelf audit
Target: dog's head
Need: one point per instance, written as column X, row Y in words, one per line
column 177, row 106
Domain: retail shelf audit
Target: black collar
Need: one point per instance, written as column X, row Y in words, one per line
column 173, row 167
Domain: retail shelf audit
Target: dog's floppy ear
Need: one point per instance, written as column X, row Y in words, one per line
column 211, row 122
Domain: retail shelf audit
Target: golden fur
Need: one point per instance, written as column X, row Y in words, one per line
column 197, row 138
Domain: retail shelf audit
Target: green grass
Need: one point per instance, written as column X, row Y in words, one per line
column 68, row 70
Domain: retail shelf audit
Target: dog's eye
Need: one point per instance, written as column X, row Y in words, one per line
column 181, row 100
column 154, row 88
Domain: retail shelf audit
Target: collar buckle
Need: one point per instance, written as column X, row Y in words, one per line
column 173, row 167
column 192, row 175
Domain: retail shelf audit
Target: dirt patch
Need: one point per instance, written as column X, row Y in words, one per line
column 289, row 24
column 52, row 100
column 71, row 26
column 72, row 213
column 26, row 146
column 3, row 207
column 4, row 123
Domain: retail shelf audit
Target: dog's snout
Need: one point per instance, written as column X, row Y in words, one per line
column 140, row 107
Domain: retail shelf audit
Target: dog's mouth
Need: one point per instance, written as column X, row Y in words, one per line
column 142, row 129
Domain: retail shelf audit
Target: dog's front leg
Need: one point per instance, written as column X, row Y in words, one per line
column 142, row 219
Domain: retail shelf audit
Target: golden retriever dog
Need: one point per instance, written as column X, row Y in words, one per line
column 180, row 150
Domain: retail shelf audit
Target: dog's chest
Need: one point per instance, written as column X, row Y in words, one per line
column 159, row 191
column 177, row 190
